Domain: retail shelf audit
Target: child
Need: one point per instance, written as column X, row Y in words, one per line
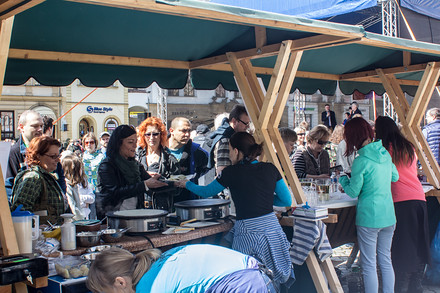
column 76, row 181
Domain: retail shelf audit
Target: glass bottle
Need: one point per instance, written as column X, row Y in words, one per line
column 68, row 233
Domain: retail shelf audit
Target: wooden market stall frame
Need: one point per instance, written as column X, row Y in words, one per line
column 265, row 107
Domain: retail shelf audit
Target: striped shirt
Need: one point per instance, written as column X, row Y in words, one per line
column 222, row 153
column 263, row 238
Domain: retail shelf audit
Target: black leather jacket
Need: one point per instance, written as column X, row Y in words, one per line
column 113, row 189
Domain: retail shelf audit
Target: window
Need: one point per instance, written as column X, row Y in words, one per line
column 220, row 91
column 237, row 95
column 110, row 125
column 173, row 93
column 7, row 124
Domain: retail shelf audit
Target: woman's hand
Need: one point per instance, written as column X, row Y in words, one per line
column 181, row 183
column 153, row 174
column 154, row 183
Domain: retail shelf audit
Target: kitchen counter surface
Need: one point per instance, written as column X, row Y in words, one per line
column 159, row 240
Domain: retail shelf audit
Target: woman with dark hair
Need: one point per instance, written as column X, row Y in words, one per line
column 36, row 188
column 371, row 176
column 410, row 250
column 153, row 154
column 122, row 181
column 190, row 268
column 255, row 188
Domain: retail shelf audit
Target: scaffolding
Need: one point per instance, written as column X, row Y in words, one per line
column 389, row 28
column 299, row 108
column 162, row 106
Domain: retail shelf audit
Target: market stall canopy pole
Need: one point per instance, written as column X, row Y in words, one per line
column 265, row 111
column 5, row 40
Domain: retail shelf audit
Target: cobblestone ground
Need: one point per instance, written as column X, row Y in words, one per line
column 351, row 279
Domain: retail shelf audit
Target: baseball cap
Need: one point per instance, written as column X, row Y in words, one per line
column 103, row 133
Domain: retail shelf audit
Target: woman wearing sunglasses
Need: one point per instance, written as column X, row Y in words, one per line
column 153, row 154
column 36, row 188
column 122, row 181
column 313, row 161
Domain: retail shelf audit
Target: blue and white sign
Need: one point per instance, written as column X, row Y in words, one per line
column 91, row 109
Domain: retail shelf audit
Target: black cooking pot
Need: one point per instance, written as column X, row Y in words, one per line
column 202, row 209
column 138, row 221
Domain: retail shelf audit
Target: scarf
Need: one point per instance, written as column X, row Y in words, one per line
column 129, row 169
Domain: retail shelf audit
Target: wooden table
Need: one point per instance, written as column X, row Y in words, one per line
column 211, row 235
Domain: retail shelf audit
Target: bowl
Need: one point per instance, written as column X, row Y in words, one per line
column 112, row 235
column 98, row 248
column 91, row 256
column 88, row 239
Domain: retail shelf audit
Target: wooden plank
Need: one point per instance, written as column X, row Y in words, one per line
column 98, row 59
column 399, row 93
column 406, row 58
column 245, row 90
column 422, row 92
column 200, row 13
column 286, row 85
column 253, row 83
column 260, row 36
column 332, row 277
column 275, row 83
column 20, row 6
column 5, row 40
column 394, row 70
column 309, row 43
column 316, row 274
column 391, row 93
column 431, row 85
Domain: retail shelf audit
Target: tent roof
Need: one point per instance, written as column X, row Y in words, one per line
column 138, row 42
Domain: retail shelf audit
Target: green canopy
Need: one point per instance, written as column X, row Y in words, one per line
column 139, row 42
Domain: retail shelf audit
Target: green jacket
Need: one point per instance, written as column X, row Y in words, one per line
column 371, row 176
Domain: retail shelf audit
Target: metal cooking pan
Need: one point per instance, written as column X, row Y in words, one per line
column 202, row 209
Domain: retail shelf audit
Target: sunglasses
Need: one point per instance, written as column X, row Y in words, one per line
column 301, row 134
column 245, row 124
column 89, row 142
column 53, row 157
column 322, row 142
column 154, row 134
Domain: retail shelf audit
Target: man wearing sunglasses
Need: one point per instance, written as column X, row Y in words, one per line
column 192, row 158
column 238, row 122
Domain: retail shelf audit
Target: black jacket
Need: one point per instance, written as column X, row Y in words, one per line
column 113, row 189
column 325, row 121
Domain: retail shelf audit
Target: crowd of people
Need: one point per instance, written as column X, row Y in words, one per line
column 128, row 168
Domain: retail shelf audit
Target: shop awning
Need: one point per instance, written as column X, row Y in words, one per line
column 139, row 42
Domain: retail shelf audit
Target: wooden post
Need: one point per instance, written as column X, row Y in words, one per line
column 265, row 112
column 5, row 40
column 410, row 116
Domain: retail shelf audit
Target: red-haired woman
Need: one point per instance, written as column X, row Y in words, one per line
column 371, row 176
column 156, row 158
column 36, row 188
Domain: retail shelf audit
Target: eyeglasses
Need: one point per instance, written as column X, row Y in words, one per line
column 53, row 157
column 322, row 142
column 154, row 134
column 245, row 124
column 302, row 134
column 89, row 142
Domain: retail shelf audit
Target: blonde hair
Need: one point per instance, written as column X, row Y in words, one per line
column 317, row 133
column 304, row 124
column 116, row 262
column 74, row 170
column 337, row 135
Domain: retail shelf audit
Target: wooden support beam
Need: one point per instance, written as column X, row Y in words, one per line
column 275, row 83
column 200, row 13
column 371, row 73
column 260, row 37
column 315, row 273
column 253, row 83
column 327, row 267
column 423, row 94
column 9, row 8
column 98, row 59
column 5, row 40
column 406, row 58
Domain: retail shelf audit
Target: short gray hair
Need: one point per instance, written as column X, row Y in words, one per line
column 24, row 116
column 433, row 112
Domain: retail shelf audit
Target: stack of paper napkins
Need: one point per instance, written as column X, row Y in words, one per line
column 309, row 212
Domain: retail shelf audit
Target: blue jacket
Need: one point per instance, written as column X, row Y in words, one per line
column 191, row 268
column 371, row 176
column 432, row 135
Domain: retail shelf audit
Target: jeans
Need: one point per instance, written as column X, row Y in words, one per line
column 372, row 242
